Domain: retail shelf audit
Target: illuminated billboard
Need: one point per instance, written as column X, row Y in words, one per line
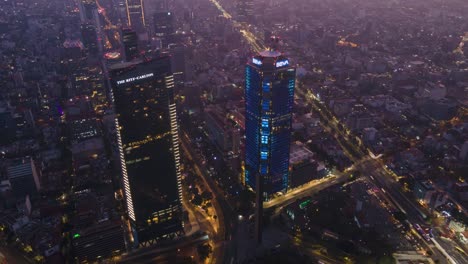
column 282, row 63
column 256, row 61
column 132, row 79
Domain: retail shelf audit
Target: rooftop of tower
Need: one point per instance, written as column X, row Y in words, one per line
column 270, row 53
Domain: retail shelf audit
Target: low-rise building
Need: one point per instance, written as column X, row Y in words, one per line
column 423, row 190
column 24, row 177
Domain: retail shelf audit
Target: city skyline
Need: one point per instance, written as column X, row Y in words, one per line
column 225, row 132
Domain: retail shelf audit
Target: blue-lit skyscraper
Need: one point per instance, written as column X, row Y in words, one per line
column 269, row 98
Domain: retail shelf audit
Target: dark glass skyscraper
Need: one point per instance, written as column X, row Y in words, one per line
column 88, row 11
column 91, row 30
column 23, row 177
column 89, row 38
column 164, row 26
column 129, row 43
column 149, row 148
column 269, row 98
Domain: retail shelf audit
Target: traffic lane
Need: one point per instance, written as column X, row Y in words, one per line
column 377, row 170
column 13, row 255
column 308, row 189
column 391, row 191
column 146, row 254
column 225, row 218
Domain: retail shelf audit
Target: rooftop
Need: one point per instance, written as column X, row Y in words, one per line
column 20, row 167
column 270, row 53
column 124, row 65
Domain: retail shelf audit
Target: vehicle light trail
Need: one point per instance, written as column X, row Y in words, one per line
column 102, row 11
column 254, row 42
column 386, row 178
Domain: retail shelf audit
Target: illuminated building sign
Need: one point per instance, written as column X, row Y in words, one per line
column 132, row 79
column 282, row 63
column 256, row 61
column 305, row 204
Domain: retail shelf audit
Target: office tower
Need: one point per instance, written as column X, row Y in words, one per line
column 178, row 62
column 89, row 38
column 129, row 43
column 106, row 238
column 91, row 30
column 159, row 5
column 269, row 97
column 72, row 50
column 222, row 131
column 88, row 11
column 244, row 10
column 164, row 27
column 464, row 151
column 153, row 6
column 120, row 8
column 7, row 127
column 136, row 15
column 23, row 177
column 149, row 148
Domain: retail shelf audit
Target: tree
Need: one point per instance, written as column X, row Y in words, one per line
column 298, row 136
column 186, row 260
column 206, row 195
column 197, row 200
column 386, row 260
column 246, row 198
column 204, row 250
column 400, row 216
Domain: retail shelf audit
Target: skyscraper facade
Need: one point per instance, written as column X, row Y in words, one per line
column 120, row 7
column 149, row 149
column 153, row 6
column 136, row 15
column 129, row 43
column 179, row 62
column 89, row 38
column 91, row 30
column 269, row 98
column 88, row 11
column 164, row 26
column 23, row 177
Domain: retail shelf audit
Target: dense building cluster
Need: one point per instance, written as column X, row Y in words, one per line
column 142, row 130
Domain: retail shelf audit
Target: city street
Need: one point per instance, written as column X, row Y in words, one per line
column 234, row 132
column 224, row 223
column 371, row 168
column 306, row 190
column 380, row 176
column 164, row 252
